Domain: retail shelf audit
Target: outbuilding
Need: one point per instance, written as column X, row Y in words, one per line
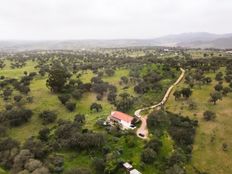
column 135, row 171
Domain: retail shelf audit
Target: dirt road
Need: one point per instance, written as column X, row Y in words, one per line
column 142, row 130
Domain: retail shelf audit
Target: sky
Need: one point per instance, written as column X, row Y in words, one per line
column 111, row 19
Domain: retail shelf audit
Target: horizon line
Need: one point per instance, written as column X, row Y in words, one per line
column 112, row 39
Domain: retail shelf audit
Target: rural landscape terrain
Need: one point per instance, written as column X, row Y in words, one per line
column 56, row 108
column 115, row 87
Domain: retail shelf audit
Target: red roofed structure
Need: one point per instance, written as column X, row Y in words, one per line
column 121, row 118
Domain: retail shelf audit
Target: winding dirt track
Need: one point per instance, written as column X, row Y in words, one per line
column 143, row 128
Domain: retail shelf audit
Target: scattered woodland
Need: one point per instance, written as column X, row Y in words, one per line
column 53, row 105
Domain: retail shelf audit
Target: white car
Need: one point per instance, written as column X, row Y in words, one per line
column 132, row 127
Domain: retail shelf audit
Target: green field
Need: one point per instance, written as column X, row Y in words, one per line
column 208, row 155
column 43, row 99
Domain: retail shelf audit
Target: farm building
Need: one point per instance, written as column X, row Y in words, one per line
column 124, row 120
column 129, row 168
column 134, row 171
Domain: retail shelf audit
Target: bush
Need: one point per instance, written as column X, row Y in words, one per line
column 36, row 147
column 130, row 141
column 218, row 87
column 148, row 155
column 9, row 107
column 100, row 122
column 215, row 96
column 176, row 169
column 7, row 93
column 77, row 94
column 18, row 98
column 99, row 97
column 64, row 98
column 24, row 89
column 110, row 72
column 125, row 102
column 2, row 131
column 71, row 106
column 192, row 105
column 99, row 165
column 79, row 118
column 226, row 90
column 8, row 150
column 16, row 117
column 44, row 134
column 29, row 99
column 111, row 97
column 154, row 145
column 209, row 115
column 95, row 106
column 48, row 116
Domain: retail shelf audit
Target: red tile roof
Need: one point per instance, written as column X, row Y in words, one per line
column 122, row 116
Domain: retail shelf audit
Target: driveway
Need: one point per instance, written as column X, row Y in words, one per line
column 143, row 128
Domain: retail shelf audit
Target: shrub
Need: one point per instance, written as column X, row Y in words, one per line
column 110, row 72
column 64, row 98
column 99, row 97
column 96, row 106
column 18, row 98
column 71, row 106
column 24, row 89
column 218, row 87
column 2, row 131
column 7, row 93
column 48, row 116
column 44, row 134
column 215, row 96
column 79, row 118
column 226, row 90
column 9, row 107
column 209, row 115
column 148, row 155
column 29, row 99
column 17, row 117
column 99, row 165
column 154, row 145
column 77, row 94
column 36, row 147
column 130, row 141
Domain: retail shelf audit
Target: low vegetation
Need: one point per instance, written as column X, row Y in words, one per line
column 53, row 106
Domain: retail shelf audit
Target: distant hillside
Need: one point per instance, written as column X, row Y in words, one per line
column 72, row 44
column 191, row 40
column 188, row 37
column 221, row 43
column 197, row 40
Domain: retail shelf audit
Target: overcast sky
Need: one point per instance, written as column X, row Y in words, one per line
column 107, row 19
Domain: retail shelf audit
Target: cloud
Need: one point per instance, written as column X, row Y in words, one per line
column 105, row 19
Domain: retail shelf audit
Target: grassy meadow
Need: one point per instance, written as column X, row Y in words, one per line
column 43, row 99
column 207, row 155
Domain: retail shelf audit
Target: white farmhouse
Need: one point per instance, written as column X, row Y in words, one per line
column 124, row 120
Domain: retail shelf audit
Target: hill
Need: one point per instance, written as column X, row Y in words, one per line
column 221, row 43
column 190, row 40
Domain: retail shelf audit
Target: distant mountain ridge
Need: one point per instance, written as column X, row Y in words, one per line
column 189, row 40
column 191, row 37
column 220, row 43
